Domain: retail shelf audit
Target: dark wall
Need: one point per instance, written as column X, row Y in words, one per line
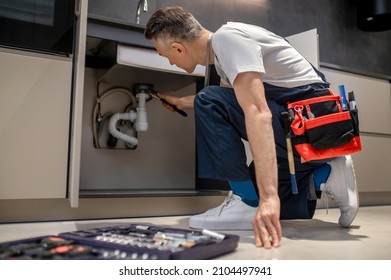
column 341, row 43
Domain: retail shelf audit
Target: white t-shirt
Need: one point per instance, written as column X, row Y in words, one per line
column 240, row 47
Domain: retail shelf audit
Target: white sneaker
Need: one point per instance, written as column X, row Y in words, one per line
column 341, row 186
column 232, row 214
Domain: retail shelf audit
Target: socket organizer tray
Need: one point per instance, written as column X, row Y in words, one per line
column 123, row 242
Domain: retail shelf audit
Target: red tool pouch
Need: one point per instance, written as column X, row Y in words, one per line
column 320, row 129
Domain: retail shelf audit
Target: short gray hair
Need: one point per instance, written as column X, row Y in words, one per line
column 172, row 23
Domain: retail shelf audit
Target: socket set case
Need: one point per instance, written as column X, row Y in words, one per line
column 124, row 242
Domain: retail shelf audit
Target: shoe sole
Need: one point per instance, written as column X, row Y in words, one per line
column 346, row 220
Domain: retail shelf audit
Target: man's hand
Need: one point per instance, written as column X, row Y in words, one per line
column 266, row 224
column 183, row 102
column 173, row 100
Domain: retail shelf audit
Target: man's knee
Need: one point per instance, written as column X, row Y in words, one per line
column 212, row 95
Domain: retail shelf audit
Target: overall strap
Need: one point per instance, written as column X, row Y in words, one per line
column 207, row 64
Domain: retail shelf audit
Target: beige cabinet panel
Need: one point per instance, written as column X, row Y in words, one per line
column 373, row 164
column 35, row 95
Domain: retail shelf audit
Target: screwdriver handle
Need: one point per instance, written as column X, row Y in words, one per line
column 179, row 111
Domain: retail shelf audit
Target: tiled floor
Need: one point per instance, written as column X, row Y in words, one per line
column 316, row 239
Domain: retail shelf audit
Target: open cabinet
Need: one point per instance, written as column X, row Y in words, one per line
column 164, row 163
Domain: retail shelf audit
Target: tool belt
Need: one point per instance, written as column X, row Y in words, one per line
column 319, row 128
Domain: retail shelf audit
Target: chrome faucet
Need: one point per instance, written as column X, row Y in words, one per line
column 144, row 4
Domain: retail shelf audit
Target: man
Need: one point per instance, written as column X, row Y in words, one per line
column 261, row 72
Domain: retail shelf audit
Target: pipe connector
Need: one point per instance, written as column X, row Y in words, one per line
column 131, row 116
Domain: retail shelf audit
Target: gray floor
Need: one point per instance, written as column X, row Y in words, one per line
column 316, row 239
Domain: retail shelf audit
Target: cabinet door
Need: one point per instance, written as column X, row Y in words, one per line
column 34, row 125
column 307, row 43
column 77, row 105
column 372, row 164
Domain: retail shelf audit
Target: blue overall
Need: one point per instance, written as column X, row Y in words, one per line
column 221, row 154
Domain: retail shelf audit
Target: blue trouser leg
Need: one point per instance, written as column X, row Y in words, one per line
column 220, row 128
column 221, row 155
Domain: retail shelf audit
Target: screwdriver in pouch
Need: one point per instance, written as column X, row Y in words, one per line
column 179, row 111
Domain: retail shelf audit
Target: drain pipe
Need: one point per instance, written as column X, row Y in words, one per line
column 139, row 117
column 131, row 116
